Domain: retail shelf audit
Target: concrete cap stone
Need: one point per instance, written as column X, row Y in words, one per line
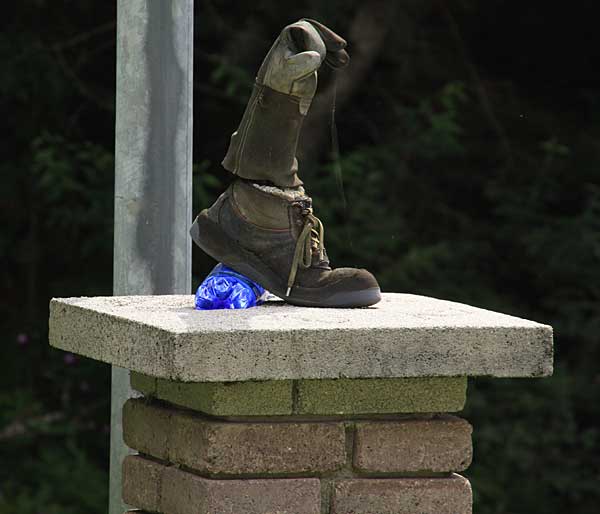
column 402, row 336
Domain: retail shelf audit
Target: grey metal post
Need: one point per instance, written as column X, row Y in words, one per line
column 153, row 170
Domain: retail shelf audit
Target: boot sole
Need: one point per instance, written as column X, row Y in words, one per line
column 212, row 239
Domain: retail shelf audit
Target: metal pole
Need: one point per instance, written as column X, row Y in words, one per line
column 153, row 170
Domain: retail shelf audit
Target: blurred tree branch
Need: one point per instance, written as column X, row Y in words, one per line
column 480, row 89
column 84, row 89
column 366, row 37
column 71, row 42
column 22, row 427
column 84, row 36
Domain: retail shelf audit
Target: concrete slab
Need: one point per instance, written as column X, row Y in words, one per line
column 403, row 336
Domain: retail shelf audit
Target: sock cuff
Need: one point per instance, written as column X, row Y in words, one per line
column 286, row 193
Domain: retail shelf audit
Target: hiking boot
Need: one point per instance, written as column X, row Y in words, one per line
column 274, row 239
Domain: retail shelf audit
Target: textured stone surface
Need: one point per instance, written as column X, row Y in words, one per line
column 231, row 448
column 403, row 336
column 381, row 396
column 403, row 496
column 314, row 397
column 141, row 479
column 269, row 398
column 438, row 445
column 158, row 488
column 143, row 383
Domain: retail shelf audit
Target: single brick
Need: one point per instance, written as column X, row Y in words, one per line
column 232, row 448
column 450, row 495
column 267, row 398
column 381, row 396
column 168, row 489
column 141, row 483
column 440, row 445
column 147, row 429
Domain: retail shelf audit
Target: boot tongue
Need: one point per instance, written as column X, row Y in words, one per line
column 306, row 209
column 324, row 264
column 271, row 205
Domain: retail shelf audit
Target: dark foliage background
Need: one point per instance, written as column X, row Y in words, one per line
column 470, row 157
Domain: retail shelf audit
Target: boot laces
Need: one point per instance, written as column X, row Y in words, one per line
column 310, row 242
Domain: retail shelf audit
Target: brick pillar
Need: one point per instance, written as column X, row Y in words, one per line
column 291, row 410
column 298, row 447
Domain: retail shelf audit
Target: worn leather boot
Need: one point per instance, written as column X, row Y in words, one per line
column 274, row 238
column 264, row 145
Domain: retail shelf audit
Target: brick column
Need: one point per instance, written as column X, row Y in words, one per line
column 387, row 452
column 288, row 410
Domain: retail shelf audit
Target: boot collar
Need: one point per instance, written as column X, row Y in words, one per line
column 259, row 207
